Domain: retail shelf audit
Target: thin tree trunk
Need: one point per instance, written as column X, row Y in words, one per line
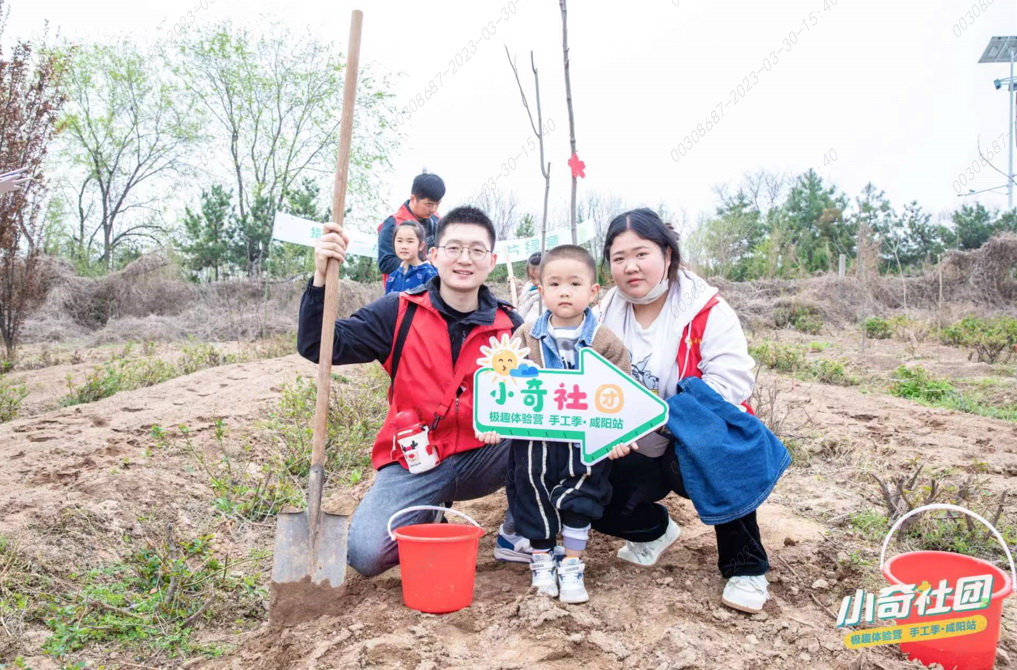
column 572, row 123
column 903, row 281
column 538, row 130
column 863, row 255
column 939, row 304
column 546, row 171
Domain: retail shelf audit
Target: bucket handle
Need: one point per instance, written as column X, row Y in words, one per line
column 954, row 508
column 436, row 508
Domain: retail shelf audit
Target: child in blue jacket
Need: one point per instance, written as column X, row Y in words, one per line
column 550, row 490
column 408, row 241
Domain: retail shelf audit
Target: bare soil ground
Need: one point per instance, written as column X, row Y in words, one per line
column 76, row 481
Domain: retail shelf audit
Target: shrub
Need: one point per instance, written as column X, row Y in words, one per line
column 355, row 415
column 45, row 359
column 275, row 346
column 989, row 340
column 831, row 372
column 122, row 374
column 11, row 396
column 198, row 356
column 994, row 338
column 802, row 318
column 955, row 335
column 916, row 384
column 904, row 492
column 909, row 329
column 786, row 358
column 810, row 324
column 877, row 328
column 790, row 359
column 245, row 489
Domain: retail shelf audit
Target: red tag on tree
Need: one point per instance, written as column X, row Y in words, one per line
column 577, row 166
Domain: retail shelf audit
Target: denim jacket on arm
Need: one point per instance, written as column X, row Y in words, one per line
column 548, row 348
column 729, row 459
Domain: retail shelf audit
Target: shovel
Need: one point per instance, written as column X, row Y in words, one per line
column 309, row 567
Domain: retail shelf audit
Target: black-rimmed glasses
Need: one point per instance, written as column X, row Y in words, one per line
column 456, row 251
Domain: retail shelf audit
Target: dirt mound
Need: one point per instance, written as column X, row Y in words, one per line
column 989, row 272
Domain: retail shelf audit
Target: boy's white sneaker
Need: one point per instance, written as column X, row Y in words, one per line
column 746, row 594
column 571, row 587
column 647, row 553
column 544, row 576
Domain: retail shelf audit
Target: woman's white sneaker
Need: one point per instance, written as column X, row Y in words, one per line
column 544, row 574
column 746, row 594
column 647, row 553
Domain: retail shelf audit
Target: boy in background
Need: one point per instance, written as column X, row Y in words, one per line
column 425, row 196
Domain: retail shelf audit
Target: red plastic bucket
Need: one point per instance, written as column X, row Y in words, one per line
column 438, row 562
column 976, row 651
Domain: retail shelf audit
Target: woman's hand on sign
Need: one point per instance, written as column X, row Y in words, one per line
column 490, row 437
column 622, row 450
column 331, row 244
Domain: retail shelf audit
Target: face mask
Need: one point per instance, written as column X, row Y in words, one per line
column 651, row 295
column 654, row 293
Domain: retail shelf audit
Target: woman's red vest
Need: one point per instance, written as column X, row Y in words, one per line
column 690, row 346
column 426, row 377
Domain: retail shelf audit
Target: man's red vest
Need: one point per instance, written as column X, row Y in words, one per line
column 425, row 378
column 690, row 345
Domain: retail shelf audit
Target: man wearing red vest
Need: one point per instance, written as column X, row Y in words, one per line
column 425, row 196
column 428, row 339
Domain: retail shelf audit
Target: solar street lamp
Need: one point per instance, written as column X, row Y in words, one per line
column 1004, row 50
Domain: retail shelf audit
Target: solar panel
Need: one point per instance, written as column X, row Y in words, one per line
column 1000, row 49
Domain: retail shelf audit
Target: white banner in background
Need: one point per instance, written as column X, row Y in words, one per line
column 519, row 250
column 289, row 228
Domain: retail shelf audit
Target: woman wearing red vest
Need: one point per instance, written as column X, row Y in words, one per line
column 674, row 325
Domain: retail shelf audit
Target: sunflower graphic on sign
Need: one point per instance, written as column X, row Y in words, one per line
column 507, row 357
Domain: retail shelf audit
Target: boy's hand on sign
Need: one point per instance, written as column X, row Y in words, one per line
column 622, row 450
column 490, row 437
column 332, row 244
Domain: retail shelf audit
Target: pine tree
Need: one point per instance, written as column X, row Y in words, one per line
column 211, row 233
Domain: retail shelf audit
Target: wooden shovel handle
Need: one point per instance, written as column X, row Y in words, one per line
column 332, row 270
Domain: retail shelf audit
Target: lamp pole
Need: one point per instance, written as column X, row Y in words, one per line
column 1011, row 123
column 1002, row 49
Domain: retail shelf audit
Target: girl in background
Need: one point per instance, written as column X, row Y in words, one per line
column 409, row 248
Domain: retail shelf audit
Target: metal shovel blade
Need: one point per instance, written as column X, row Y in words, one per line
column 308, row 578
column 297, row 559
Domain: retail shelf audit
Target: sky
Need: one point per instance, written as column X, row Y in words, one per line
column 860, row 90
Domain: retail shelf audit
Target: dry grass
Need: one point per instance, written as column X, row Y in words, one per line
column 964, row 282
column 149, row 300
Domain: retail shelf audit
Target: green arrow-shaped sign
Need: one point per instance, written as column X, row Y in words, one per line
column 596, row 404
